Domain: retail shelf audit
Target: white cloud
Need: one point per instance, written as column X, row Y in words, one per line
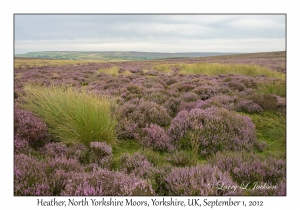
column 161, row 33
column 154, row 45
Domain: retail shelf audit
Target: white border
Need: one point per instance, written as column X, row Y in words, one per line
column 8, row 8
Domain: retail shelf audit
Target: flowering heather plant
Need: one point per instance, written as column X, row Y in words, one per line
column 29, row 128
column 189, row 97
column 136, row 164
column 180, row 159
column 250, row 167
column 248, row 107
column 200, row 180
column 172, row 105
column 182, row 87
column 265, row 101
column 126, row 129
column 101, row 153
column 20, row 145
column 249, row 82
column 106, row 183
column 30, row 176
column 64, row 164
column 268, row 189
column 236, row 85
column 215, row 128
column 155, row 137
column 54, row 149
column 59, row 150
column 206, row 91
column 137, row 113
column 156, row 96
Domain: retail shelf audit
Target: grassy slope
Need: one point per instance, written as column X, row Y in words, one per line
column 112, row 55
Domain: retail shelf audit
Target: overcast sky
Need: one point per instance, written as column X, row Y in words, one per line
column 150, row 33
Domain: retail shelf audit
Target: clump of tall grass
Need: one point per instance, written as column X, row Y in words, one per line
column 114, row 71
column 219, row 68
column 276, row 87
column 72, row 115
column 163, row 68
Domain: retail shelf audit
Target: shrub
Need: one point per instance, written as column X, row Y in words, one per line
column 236, row 85
column 30, row 177
column 137, row 113
column 29, row 129
column 136, row 164
column 20, row 145
column 64, row 164
column 248, row 107
column 101, row 153
column 201, row 180
column 73, row 116
column 180, row 159
column 110, row 184
column 126, row 129
column 206, row 91
column 265, row 101
column 54, row 149
column 189, row 97
column 158, row 183
column 78, row 152
column 216, row 129
column 250, row 168
column 156, row 96
column 224, row 101
column 275, row 190
column 155, row 137
column 172, row 105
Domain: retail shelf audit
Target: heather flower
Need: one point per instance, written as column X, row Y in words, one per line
column 60, row 150
column 248, row 107
column 20, row 145
column 30, row 128
column 106, row 183
column 236, row 85
column 205, row 92
column 268, row 189
column 101, row 153
column 214, row 129
column 137, row 113
column 136, row 164
column 265, row 101
column 30, row 177
column 172, row 105
column 156, row 96
column 155, row 137
column 126, row 129
column 53, row 149
column 250, row 167
column 189, row 97
column 200, row 180
column 62, row 163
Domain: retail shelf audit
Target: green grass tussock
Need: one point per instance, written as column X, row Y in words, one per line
column 71, row 115
column 219, row 68
column 166, row 68
column 114, row 71
column 276, row 87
